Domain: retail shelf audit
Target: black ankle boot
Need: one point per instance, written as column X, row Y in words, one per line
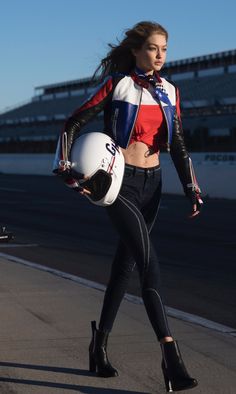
column 98, row 360
column 174, row 371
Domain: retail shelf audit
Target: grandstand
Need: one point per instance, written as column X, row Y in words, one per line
column 208, row 101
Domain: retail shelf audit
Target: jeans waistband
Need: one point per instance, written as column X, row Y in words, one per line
column 148, row 172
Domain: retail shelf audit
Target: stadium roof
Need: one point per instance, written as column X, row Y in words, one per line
column 189, row 64
column 199, row 59
column 75, row 82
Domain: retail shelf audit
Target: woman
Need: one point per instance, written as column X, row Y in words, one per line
column 142, row 114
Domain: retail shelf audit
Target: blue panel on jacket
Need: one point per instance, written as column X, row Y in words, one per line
column 123, row 118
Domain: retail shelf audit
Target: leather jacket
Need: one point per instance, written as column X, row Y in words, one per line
column 120, row 97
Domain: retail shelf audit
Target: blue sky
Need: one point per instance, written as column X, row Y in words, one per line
column 47, row 41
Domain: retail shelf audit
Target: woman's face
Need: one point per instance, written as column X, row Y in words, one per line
column 151, row 57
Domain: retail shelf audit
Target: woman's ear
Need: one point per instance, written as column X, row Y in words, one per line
column 134, row 52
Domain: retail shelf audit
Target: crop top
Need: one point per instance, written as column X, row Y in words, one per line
column 150, row 125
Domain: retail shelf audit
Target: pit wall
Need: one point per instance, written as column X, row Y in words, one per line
column 216, row 172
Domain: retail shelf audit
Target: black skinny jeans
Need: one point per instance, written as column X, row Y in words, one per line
column 133, row 214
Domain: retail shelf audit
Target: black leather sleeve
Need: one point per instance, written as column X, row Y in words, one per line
column 181, row 158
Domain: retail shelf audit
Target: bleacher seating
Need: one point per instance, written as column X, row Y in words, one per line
column 208, row 106
column 209, row 88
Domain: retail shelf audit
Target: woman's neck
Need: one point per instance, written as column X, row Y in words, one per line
column 141, row 72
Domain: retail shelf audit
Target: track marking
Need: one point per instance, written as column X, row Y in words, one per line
column 172, row 312
column 12, row 245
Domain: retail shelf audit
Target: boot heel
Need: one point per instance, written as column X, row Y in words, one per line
column 98, row 360
column 175, row 374
column 92, row 364
column 167, row 383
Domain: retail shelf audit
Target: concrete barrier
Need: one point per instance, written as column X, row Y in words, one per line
column 216, row 172
column 28, row 163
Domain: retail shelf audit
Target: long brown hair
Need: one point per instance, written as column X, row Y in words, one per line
column 120, row 58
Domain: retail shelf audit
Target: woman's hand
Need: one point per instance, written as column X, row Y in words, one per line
column 195, row 211
column 196, row 202
column 83, row 191
column 70, row 179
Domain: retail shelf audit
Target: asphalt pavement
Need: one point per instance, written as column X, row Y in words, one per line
column 55, row 227
column 52, row 279
column 45, row 333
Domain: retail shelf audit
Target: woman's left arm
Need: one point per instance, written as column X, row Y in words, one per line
column 72, row 128
column 183, row 163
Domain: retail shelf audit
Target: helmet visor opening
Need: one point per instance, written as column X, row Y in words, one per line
column 98, row 185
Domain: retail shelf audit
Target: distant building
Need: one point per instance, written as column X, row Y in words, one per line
column 208, row 100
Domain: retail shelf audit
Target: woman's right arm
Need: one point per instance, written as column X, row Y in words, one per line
column 80, row 117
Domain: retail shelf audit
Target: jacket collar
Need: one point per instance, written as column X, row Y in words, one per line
column 141, row 79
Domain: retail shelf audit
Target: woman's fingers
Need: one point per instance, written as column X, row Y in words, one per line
column 85, row 191
column 195, row 212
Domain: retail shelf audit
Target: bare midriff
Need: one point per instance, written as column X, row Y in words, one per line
column 139, row 154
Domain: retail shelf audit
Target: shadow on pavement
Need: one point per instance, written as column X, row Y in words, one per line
column 74, row 387
column 74, row 371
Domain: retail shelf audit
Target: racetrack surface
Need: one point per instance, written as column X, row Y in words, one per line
column 54, row 226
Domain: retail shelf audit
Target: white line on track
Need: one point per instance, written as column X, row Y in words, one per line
column 11, row 245
column 176, row 313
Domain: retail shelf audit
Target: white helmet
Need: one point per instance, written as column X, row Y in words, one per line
column 98, row 159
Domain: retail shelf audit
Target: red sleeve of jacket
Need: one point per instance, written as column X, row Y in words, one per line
column 95, row 103
column 178, row 103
